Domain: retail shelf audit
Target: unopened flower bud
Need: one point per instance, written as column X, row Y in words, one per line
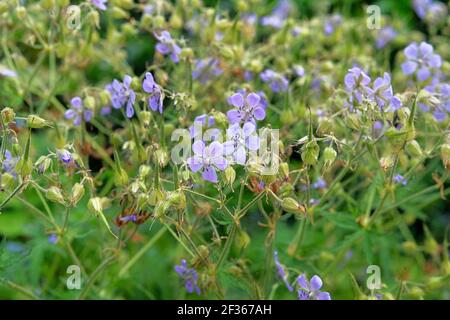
column 93, row 18
column 119, row 13
column 24, row 167
column 21, row 12
column 95, row 205
column 77, row 193
column 120, row 177
column 144, row 171
column 291, row 205
column 445, row 155
column 284, row 170
column 8, row 115
column 89, row 102
column 36, row 122
column 54, row 194
column 42, row 164
column 7, row 181
column 230, row 175
column 310, row 152
column 156, row 196
column 329, row 155
column 414, row 149
column 161, row 157
column 47, row 4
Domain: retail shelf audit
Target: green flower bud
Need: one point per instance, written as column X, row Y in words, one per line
column 403, row 114
column 325, row 127
column 47, row 4
column 176, row 22
column 3, row 7
column 177, row 199
column 329, row 156
column 168, row 129
column 291, row 205
column 243, row 239
column 416, row 293
column 287, row 117
column 119, row 13
column 77, row 193
column 146, row 21
column 146, row 117
column 230, row 175
column 21, row 12
column 36, row 122
column 187, row 54
column 8, row 115
column 89, row 102
column 54, row 194
column 353, row 121
column 129, row 30
column 144, row 171
column 42, row 164
column 105, row 97
column 156, row 196
column 161, row 209
column 284, row 170
column 286, row 189
column 93, row 18
column 7, row 181
column 24, row 167
column 161, row 157
column 158, row 22
column 95, row 205
column 120, row 177
column 227, row 52
column 414, row 149
column 310, row 152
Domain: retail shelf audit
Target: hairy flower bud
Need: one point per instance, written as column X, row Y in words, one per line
column 329, row 155
column 77, row 193
column 54, row 194
column 42, row 164
column 284, row 170
column 120, row 177
column 95, row 205
column 36, row 122
column 230, row 175
column 291, row 205
column 414, row 149
column 6, row 181
column 310, row 152
column 8, row 115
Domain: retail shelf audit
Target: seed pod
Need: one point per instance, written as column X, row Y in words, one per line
column 54, row 194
